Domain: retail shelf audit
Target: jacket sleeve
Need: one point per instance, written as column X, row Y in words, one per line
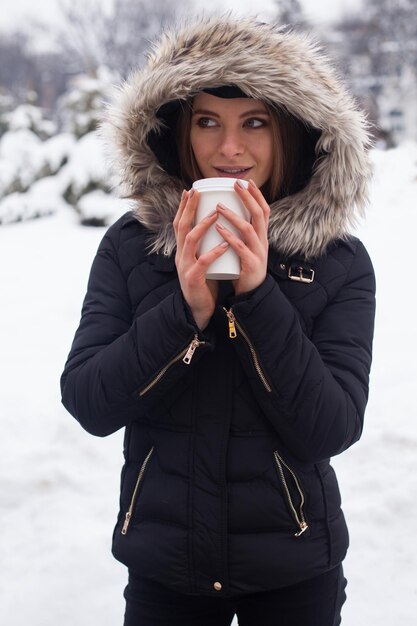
column 113, row 356
column 314, row 390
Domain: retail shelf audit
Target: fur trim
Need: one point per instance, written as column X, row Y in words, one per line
column 283, row 68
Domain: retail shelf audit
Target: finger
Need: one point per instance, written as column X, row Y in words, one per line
column 259, row 209
column 181, row 207
column 247, row 230
column 257, row 206
column 259, row 197
column 209, row 257
column 246, row 254
column 199, row 269
column 190, row 207
column 187, row 216
column 194, row 236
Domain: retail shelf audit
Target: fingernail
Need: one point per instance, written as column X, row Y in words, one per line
column 220, row 225
column 224, row 244
column 212, row 213
column 241, row 185
column 183, row 194
column 190, row 195
column 222, row 206
column 252, row 182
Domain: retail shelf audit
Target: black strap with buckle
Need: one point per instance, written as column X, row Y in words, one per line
column 300, row 273
column 287, row 268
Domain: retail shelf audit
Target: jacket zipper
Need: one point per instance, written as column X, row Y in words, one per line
column 186, row 355
column 233, row 325
column 298, row 516
column 135, row 492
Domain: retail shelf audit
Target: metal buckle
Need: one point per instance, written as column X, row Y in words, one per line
column 301, row 277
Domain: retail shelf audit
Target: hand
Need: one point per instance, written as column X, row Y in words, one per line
column 200, row 294
column 253, row 247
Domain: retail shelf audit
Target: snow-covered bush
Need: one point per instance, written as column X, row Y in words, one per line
column 6, row 105
column 20, row 161
column 43, row 198
column 71, row 164
column 57, row 151
column 79, row 110
column 85, row 170
column 84, row 182
column 24, row 158
column 98, row 208
column 30, row 117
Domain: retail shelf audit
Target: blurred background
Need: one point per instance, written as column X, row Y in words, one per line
column 59, row 58
column 59, row 486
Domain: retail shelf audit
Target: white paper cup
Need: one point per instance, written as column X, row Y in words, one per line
column 212, row 191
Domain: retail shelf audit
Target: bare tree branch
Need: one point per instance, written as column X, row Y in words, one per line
column 116, row 38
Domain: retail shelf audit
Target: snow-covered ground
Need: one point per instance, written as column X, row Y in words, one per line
column 59, row 485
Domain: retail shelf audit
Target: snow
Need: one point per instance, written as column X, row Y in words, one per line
column 21, row 159
column 59, row 485
column 57, row 149
column 41, row 199
column 36, row 176
column 29, row 117
column 101, row 206
column 86, row 165
column 25, row 158
column 31, row 149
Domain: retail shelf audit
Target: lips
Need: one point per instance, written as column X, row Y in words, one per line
column 232, row 172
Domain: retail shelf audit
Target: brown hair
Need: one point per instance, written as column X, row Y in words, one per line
column 287, row 135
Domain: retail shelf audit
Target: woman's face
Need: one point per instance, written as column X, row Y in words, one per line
column 232, row 138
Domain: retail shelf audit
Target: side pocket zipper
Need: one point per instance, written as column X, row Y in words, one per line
column 186, row 355
column 135, row 492
column 298, row 516
column 233, row 324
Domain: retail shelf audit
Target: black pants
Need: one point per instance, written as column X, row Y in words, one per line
column 315, row 602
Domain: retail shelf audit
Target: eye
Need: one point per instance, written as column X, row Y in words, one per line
column 255, row 122
column 206, row 122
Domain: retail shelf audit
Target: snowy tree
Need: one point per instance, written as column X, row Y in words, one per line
column 80, row 108
column 393, row 35
column 40, row 173
column 17, row 67
column 30, row 152
column 83, row 180
column 25, row 68
column 29, row 117
column 378, row 51
column 290, row 12
column 116, row 37
column 27, row 168
column 25, row 146
column 7, row 104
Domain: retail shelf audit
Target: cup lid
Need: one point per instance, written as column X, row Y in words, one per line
column 208, row 184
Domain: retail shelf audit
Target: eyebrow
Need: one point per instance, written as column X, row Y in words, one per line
column 245, row 114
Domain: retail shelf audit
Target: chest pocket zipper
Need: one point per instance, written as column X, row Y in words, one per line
column 139, row 481
column 298, row 513
column 186, row 355
column 233, row 325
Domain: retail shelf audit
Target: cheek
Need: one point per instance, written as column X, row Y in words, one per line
column 196, row 145
column 201, row 149
column 266, row 153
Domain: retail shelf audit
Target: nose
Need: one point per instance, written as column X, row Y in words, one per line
column 231, row 144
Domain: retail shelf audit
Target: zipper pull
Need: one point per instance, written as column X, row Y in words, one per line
column 191, row 349
column 232, row 327
column 304, row 527
column 126, row 523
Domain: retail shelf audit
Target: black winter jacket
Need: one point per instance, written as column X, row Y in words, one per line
column 227, row 477
column 227, row 486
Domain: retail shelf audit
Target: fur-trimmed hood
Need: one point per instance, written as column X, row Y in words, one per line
column 284, row 69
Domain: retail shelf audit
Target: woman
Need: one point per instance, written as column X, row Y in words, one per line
column 234, row 395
